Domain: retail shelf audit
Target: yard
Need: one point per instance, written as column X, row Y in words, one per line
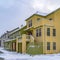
column 8, row 55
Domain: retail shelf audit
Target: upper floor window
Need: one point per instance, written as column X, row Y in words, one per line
column 48, row 31
column 54, row 45
column 50, row 19
column 54, row 32
column 30, row 23
column 38, row 32
column 48, row 45
column 38, row 19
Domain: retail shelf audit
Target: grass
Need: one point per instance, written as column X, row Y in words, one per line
column 35, row 49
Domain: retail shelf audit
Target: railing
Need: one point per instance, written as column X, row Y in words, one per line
column 28, row 38
column 8, row 40
column 19, row 38
column 32, row 39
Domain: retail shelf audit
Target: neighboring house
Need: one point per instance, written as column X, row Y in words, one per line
column 11, row 43
column 14, row 33
column 6, row 36
column 41, row 34
column 3, row 38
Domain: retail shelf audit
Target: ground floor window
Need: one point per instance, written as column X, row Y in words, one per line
column 38, row 32
column 54, row 45
column 48, row 45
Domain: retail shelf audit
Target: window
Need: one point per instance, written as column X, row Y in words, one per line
column 48, row 45
column 54, row 32
column 30, row 23
column 38, row 19
column 50, row 19
column 54, row 45
column 38, row 32
column 48, row 31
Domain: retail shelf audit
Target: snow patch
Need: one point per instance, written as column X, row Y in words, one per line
column 7, row 55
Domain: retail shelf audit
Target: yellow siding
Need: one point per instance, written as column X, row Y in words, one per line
column 45, row 23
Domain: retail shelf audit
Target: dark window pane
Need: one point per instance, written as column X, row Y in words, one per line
column 50, row 19
column 40, row 32
column 54, row 45
column 38, row 19
column 54, row 32
column 48, row 45
column 48, row 31
column 37, row 34
column 30, row 23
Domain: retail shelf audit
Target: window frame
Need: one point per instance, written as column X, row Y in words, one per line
column 38, row 32
column 48, row 31
column 48, row 45
column 54, row 45
column 30, row 23
column 54, row 32
column 38, row 19
column 50, row 19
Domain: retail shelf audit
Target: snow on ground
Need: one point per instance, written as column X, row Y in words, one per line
column 17, row 56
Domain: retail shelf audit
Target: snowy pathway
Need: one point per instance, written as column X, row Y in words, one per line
column 17, row 56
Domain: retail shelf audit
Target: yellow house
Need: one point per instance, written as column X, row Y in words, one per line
column 42, row 34
column 45, row 29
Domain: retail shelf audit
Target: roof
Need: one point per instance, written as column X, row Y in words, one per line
column 33, row 15
column 17, row 30
column 43, row 14
column 13, row 30
column 53, row 11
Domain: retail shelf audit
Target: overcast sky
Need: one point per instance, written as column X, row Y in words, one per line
column 14, row 12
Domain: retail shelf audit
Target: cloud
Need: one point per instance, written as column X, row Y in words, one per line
column 45, row 6
column 6, row 3
column 53, row 4
column 14, row 12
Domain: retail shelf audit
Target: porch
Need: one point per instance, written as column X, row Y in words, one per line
column 18, row 44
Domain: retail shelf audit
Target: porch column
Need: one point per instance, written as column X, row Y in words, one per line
column 16, row 44
column 24, row 43
column 11, row 45
column 32, row 39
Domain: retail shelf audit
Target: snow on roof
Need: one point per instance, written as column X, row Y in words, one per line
column 45, row 14
column 41, row 13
